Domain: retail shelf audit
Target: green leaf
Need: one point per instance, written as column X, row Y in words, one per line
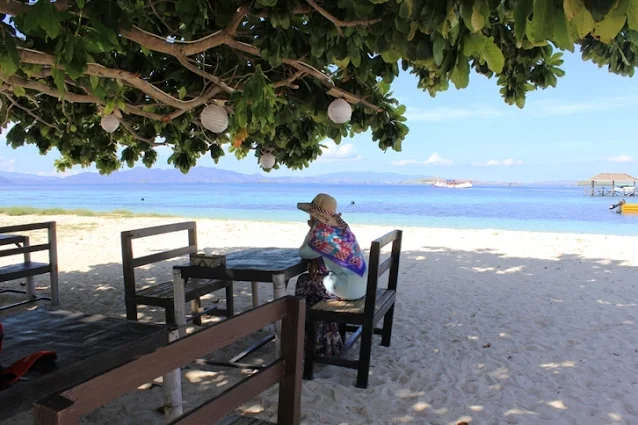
column 632, row 15
column 406, row 9
column 562, row 34
column 80, row 3
column 461, row 73
column 19, row 91
column 493, row 56
column 520, row 102
column 521, row 13
column 607, row 29
column 182, row 92
column 583, row 22
column 58, row 79
column 572, row 8
column 599, row 8
column 12, row 50
column 48, row 17
column 480, row 15
column 109, row 107
column 542, row 25
column 438, row 48
column 432, row 15
column 95, row 81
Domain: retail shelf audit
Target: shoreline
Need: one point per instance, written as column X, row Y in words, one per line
column 25, row 211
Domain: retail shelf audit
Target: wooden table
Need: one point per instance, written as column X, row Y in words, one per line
column 86, row 345
column 275, row 265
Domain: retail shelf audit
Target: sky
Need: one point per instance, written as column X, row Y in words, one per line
column 586, row 125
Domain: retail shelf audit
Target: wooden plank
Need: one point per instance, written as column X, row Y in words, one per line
column 158, row 230
column 53, row 262
column 161, row 256
column 24, row 250
column 91, row 394
column 387, row 238
column 26, row 227
column 215, row 409
column 19, row 271
column 11, row 239
column 129, row 277
column 385, row 266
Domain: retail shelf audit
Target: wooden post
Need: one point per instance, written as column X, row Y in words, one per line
column 255, row 293
column 30, row 282
column 172, row 385
column 53, row 261
column 613, row 188
column 179, row 294
column 289, row 411
column 279, row 287
column 593, row 183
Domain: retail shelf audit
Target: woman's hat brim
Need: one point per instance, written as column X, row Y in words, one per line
column 326, row 219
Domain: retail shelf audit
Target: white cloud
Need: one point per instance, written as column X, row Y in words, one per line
column 497, row 162
column 436, row 159
column 621, row 159
column 334, row 152
column 7, row 164
column 444, row 114
column 553, row 107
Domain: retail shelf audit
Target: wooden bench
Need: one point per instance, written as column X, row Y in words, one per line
column 66, row 408
column 359, row 316
column 29, row 269
column 161, row 295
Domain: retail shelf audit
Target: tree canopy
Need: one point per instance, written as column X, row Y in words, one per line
column 274, row 65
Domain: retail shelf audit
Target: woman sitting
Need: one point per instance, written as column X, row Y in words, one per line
column 337, row 268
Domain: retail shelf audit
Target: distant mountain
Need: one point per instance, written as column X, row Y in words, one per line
column 557, row 183
column 23, row 178
column 200, row 175
column 157, row 176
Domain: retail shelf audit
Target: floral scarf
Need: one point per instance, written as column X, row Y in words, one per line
column 339, row 245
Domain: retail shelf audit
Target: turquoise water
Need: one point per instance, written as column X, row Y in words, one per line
column 549, row 209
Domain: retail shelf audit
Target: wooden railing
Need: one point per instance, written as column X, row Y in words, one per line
column 67, row 407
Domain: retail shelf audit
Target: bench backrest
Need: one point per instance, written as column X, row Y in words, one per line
column 376, row 269
column 130, row 263
column 27, row 249
column 67, row 407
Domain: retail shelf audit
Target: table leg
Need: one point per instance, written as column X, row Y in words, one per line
column 255, row 293
column 172, row 385
column 279, row 287
column 179, row 295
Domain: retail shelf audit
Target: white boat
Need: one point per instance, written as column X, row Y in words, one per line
column 452, row 184
column 625, row 190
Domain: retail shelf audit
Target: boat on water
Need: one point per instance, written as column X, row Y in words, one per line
column 453, row 184
column 625, row 190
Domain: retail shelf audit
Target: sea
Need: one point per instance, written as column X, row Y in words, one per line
column 522, row 208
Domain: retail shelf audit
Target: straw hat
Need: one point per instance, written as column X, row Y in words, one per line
column 324, row 209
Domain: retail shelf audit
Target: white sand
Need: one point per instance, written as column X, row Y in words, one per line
column 491, row 327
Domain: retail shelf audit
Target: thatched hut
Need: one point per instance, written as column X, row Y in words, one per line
column 617, row 181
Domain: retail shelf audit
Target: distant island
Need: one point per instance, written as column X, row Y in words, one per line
column 217, row 175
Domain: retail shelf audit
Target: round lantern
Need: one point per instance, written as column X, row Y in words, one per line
column 110, row 123
column 267, row 160
column 339, row 111
column 214, row 118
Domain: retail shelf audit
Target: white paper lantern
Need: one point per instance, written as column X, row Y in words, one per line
column 339, row 111
column 215, row 118
column 267, row 160
column 110, row 123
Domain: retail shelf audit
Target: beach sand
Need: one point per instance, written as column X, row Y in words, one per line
column 491, row 327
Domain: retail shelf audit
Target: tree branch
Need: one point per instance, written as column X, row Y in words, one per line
column 28, row 111
column 152, row 4
column 338, row 22
column 128, row 128
column 288, row 82
column 186, row 63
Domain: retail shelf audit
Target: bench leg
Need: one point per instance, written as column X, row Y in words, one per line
column 169, row 313
column 55, row 295
column 309, row 351
column 230, row 299
column 386, row 334
column 172, row 385
column 30, row 282
column 196, row 308
column 131, row 309
column 254, row 289
column 364, row 356
column 179, row 302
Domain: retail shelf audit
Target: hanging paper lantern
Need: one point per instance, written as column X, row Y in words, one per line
column 214, row 118
column 339, row 111
column 110, row 123
column 267, row 160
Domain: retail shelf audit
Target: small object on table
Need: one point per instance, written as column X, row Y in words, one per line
column 208, row 260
